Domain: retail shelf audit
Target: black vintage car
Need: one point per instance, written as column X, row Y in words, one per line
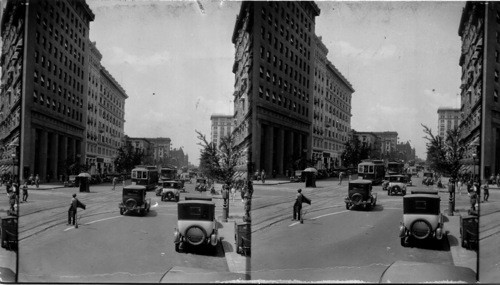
column 422, row 218
column 201, row 184
column 134, row 200
column 469, row 231
column 360, row 194
column 9, row 233
column 242, row 237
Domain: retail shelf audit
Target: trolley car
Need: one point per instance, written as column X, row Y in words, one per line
column 373, row 170
column 146, row 176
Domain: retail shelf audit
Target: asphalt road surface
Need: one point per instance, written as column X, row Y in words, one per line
column 106, row 247
column 333, row 243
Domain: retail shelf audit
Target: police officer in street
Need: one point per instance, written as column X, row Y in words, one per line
column 75, row 204
column 297, row 206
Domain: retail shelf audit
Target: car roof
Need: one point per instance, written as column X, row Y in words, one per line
column 360, row 181
column 195, row 202
column 432, row 196
column 138, row 187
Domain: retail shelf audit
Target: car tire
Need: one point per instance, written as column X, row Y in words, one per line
column 130, row 204
column 177, row 199
column 356, row 198
column 420, row 229
column 198, row 231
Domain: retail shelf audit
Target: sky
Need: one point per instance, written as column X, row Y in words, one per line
column 174, row 60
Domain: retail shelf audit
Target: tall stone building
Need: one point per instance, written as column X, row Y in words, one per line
column 161, row 150
column 478, row 80
column 388, row 142
column 274, row 82
column 53, row 56
column 331, row 110
column 448, row 119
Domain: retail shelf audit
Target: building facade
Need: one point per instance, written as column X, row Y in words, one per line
column 448, row 119
column 275, row 40
column 92, row 131
column 222, row 126
column 54, row 63
column 331, row 110
column 161, row 150
column 388, row 142
column 111, row 121
column 476, row 81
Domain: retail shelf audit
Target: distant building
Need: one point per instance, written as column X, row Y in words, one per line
column 222, row 126
column 161, row 150
column 382, row 144
column 448, row 119
column 388, row 142
column 144, row 146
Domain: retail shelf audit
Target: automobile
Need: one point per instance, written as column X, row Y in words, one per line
column 422, row 218
column 196, row 224
column 297, row 176
column 134, row 200
column 397, row 185
column 411, row 272
column 8, row 232
column 201, row 184
column 385, row 183
column 408, row 180
column 360, row 194
column 469, row 230
column 71, row 182
column 243, row 237
column 428, row 178
column 170, row 190
column 185, row 177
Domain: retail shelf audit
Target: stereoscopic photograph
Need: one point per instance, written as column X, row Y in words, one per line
column 249, row 141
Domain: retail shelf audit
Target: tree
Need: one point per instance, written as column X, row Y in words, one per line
column 354, row 152
column 444, row 155
column 219, row 163
column 127, row 159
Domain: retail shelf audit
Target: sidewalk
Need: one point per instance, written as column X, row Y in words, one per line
column 461, row 256
column 236, row 263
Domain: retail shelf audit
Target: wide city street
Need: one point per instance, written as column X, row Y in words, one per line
column 333, row 243
column 106, row 247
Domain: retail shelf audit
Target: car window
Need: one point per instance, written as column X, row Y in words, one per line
column 420, row 205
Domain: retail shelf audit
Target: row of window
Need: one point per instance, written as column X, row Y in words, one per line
column 289, row 20
column 288, row 38
column 57, row 106
column 54, row 88
column 62, row 75
column 283, row 84
column 283, row 101
column 327, row 145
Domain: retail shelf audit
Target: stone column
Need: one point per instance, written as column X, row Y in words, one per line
column 42, row 148
column 256, row 145
column 32, row 152
column 268, row 153
column 71, row 149
column 288, row 147
column 54, row 156
column 63, row 151
column 280, row 149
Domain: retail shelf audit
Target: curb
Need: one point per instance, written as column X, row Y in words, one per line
column 236, row 263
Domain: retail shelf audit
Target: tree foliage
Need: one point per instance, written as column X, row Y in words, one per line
column 354, row 152
column 127, row 159
column 219, row 163
column 444, row 155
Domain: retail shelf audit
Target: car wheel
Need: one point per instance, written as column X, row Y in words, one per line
column 420, row 229
column 389, row 192
column 130, row 204
column 356, row 198
column 195, row 235
column 162, row 197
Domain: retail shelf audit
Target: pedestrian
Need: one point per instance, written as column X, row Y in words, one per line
column 486, row 192
column 459, row 186
column 115, row 180
column 498, row 180
column 25, row 192
column 37, row 181
column 340, row 177
column 75, row 204
column 297, row 206
column 12, row 200
column 233, row 190
column 473, row 200
column 492, row 178
column 123, row 180
column 263, row 176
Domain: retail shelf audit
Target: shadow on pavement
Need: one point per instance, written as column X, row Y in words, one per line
column 205, row 250
column 431, row 244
